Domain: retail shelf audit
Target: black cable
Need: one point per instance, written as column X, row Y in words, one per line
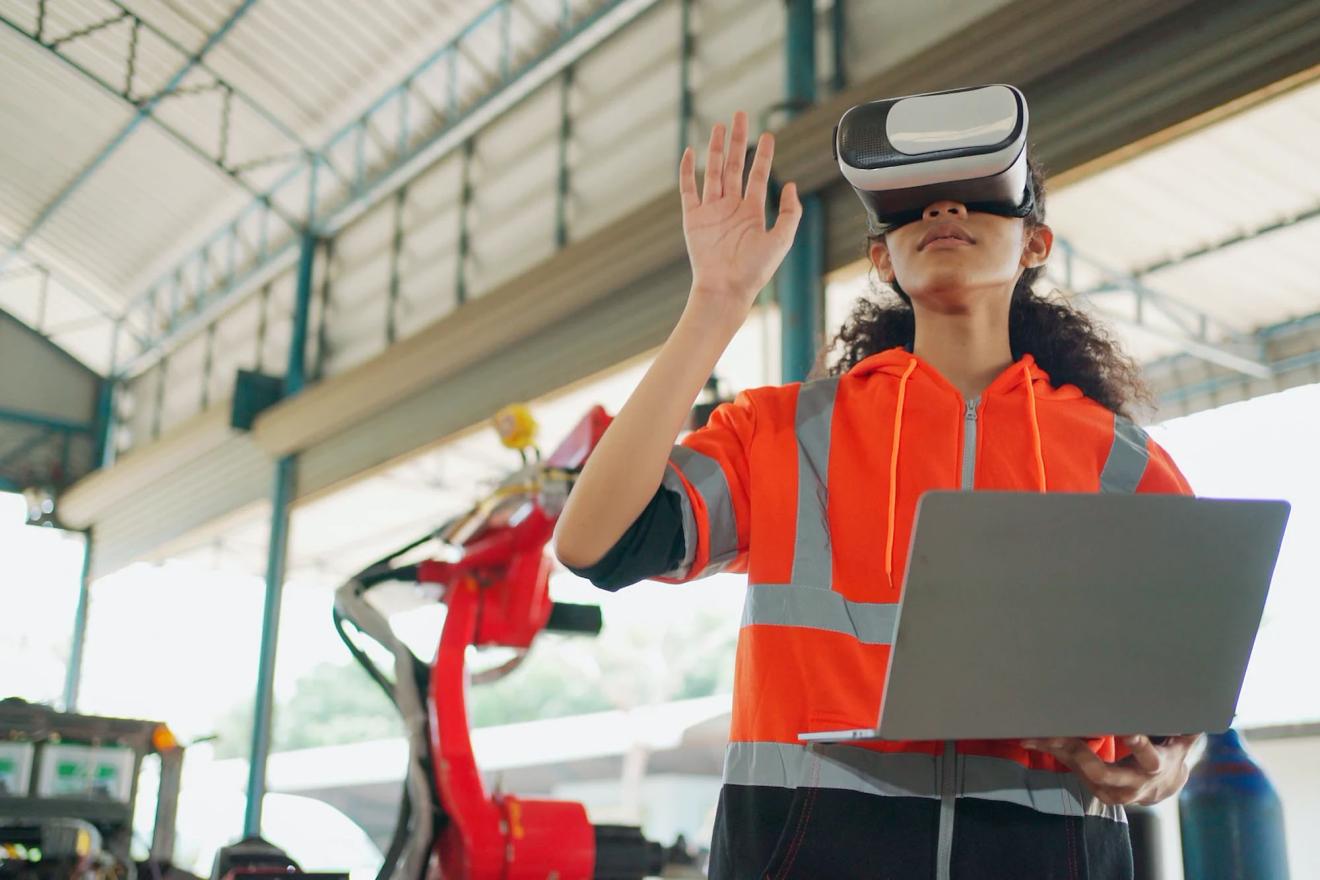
column 370, row 578
column 363, row 660
column 377, row 573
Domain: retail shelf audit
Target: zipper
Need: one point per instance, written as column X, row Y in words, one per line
column 948, row 764
column 969, row 446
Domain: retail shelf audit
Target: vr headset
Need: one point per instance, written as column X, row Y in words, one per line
column 968, row 145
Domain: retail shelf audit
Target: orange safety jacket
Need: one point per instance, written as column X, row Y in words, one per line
column 811, row 489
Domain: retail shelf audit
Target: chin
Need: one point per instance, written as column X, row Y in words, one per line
column 947, row 293
column 940, row 285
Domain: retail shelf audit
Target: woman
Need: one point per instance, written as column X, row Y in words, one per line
column 969, row 381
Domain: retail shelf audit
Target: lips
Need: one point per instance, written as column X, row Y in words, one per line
column 944, row 230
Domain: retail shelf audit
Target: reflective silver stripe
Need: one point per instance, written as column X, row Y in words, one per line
column 1127, row 458
column 811, row 549
column 871, row 623
column 908, row 774
column 948, row 793
column 672, row 482
column 707, row 478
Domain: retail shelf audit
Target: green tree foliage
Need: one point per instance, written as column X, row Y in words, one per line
column 331, row 705
column 626, row 666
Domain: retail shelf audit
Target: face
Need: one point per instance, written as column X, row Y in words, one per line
column 951, row 257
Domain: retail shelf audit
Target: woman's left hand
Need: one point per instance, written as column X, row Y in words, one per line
column 1147, row 776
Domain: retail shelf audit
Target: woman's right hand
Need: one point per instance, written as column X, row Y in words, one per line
column 733, row 255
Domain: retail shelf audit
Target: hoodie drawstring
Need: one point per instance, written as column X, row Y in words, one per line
column 1035, row 428
column 898, row 436
column 893, row 470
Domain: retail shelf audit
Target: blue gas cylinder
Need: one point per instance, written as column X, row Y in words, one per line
column 1231, row 817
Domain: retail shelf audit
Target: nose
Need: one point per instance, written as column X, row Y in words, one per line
column 945, row 208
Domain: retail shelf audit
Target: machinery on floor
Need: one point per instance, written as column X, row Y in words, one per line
column 69, row 789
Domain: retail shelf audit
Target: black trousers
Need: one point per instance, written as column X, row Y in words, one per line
column 778, row 833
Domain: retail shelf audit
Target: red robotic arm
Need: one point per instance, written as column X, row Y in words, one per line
column 496, row 590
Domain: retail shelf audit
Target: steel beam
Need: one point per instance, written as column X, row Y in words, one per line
column 39, row 420
column 1198, row 332
column 104, row 454
column 30, row 265
column 563, row 181
column 686, row 100
column 344, row 201
column 1300, row 367
column 1250, row 235
column 838, row 30
column 396, row 257
column 464, row 238
column 216, row 158
column 144, row 111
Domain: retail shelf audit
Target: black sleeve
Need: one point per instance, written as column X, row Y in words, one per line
column 653, row 545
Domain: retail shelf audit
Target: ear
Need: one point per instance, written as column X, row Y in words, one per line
column 1036, row 246
column 880, row 259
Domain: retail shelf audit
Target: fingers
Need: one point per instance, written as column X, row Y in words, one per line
column 790, row 212
column 733, row 166
column 1111, row 783
column 1145, row 753
column 712, row 188
column 759, row 178
column 687, row 180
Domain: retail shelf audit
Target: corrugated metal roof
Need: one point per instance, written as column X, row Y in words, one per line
column 1213, row 191
column 53, row 123
column 303, row 59
column 301, row 69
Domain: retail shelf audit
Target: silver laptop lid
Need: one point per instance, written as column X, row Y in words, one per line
column 1077, row 614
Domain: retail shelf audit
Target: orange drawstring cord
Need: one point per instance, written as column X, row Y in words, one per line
column 893, row 472
column 1035, row 429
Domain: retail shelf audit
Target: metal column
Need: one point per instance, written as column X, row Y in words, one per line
column 801, row 298
column 685, row 97
column 73, row 674
column 106, row 420
column 279, row 545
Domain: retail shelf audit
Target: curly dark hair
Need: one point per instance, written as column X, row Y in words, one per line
column 1068, row 344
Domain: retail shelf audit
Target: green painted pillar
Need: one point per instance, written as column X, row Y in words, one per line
column 283, row 496
column 800, row 292
column 73, row 673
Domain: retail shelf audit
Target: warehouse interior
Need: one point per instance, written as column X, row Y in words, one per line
column 270, row 268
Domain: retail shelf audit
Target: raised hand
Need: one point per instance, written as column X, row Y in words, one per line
column 732, row 253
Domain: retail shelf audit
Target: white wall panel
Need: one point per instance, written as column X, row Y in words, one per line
column 633, row 321
column 428, row 262
column 230, row 477
column 359, row 281
column 252, row 336
column 739, row 64
column 235, row 347
column 184, row 372
column 136, row 404
column 514, row 171
column 625, row 133
column 880, row 36
column 52, row 383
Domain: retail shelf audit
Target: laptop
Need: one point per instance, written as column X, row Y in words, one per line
column 1034, row 615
